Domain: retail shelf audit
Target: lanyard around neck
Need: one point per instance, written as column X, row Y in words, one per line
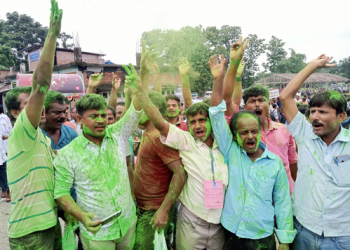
column 212, row 167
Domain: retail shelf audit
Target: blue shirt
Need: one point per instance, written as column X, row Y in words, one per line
column 248, row 211
column 321, row 198
column 68, row 134
column 346, row 122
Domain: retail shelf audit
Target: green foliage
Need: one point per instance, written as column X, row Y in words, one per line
column 64, row 37
column 294, row 64
column 198, row 44
column 275, row 53
column 17, row 33
column 255, row 48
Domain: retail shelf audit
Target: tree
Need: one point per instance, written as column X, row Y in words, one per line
column 275, row 53
column 255, row 48
column 64, row 37
column 294, row 64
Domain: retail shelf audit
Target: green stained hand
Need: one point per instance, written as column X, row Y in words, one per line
column 283, row 246
column 217, row 69
column 89, row 224
column 237, row 51
column 55, row 19
column 95, row 80
column 159, row 219
column 184, row 66
column 147, row 58
column 132, row 80
column 240, row 69
column 155, row 68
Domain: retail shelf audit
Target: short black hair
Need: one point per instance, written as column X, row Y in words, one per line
column 255, row 91
column 173, row 97
column 53, row 97
column 298, row 104
column 207, row 100
column 11, row 100
column 332, row 98
column 307, row 113
column 200, row 107
column 302, row 109
column 121, row 104
column 113, row 111
column 90, row 101
column 158, row 100
column 274, row 105
column 237, row 116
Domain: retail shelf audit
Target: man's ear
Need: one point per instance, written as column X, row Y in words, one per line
column 341, row 117
column 15, row 113
column 80, row 119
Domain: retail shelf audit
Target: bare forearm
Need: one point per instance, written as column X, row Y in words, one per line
column 43, row 70
column 231, row 89
column 157, row 83
column 176, row 185
column 216, row 96
column 152, row 112
column 144, row 75
column 295, row 84
column 294, row 170
column 67, row 203
column 113, row 99
column 186, row 90
column 90, row 90
column 131, row 175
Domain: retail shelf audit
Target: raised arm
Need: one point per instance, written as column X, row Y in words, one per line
column 157, row 83
column 232, row 92
column 218, row 72
column 94, row 81
column 43, row 70
column 147, row 59
column 184, row 68
column 287, row 96
column 134, row 83
column 113, row 98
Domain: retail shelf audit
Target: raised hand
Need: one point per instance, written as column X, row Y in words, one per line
column 155, row 68
column 132, row 80
column 217, row 69
column 184, row 66
column 237, row 51
column 240, row 68
column 55, row 19
column 322, row 62
column 115, row 82
column 147, row 57
column 95, row 80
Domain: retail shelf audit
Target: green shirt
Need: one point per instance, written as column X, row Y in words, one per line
column 31, row 179
column 100, row 177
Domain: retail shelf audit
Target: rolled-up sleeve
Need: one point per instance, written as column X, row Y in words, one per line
column 177, row 138
column 64, row 176
column 222, row 132
column 283, row 207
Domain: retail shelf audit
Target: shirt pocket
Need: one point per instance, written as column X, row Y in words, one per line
column 266, row 188
column 342, row 173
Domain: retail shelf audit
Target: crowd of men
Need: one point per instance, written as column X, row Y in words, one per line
column 223, row 178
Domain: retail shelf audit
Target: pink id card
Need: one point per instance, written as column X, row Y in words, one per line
column 213, row 196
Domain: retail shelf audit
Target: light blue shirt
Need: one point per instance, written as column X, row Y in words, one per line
column 321, row 198
column 248, row 211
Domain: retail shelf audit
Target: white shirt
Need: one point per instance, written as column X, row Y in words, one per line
column 78, row 126
column 5, row 127
column 197, row 162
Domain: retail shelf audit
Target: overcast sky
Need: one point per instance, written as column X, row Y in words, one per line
column 311, row 27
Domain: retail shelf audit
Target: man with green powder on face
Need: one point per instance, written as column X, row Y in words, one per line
column 95, row 165
column 321, row 198
column 256, row 177
column 33, row 220
column 198, row 225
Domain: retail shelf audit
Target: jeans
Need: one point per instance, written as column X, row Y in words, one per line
column 3, row 178
column 40, row 240
column 307, row 240
column 233, row 242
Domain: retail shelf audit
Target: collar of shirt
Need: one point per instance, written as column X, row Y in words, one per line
column 200, row 143
column 342, row 136
column 272, row 125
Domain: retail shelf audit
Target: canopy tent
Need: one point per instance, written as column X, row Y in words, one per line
column 281, row 79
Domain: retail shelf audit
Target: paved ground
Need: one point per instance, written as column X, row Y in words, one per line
column 5, row 208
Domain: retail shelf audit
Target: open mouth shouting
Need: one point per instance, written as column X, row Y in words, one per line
column 200, row 133
column 258, row 111
column 317, row 125
column 251, row 144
